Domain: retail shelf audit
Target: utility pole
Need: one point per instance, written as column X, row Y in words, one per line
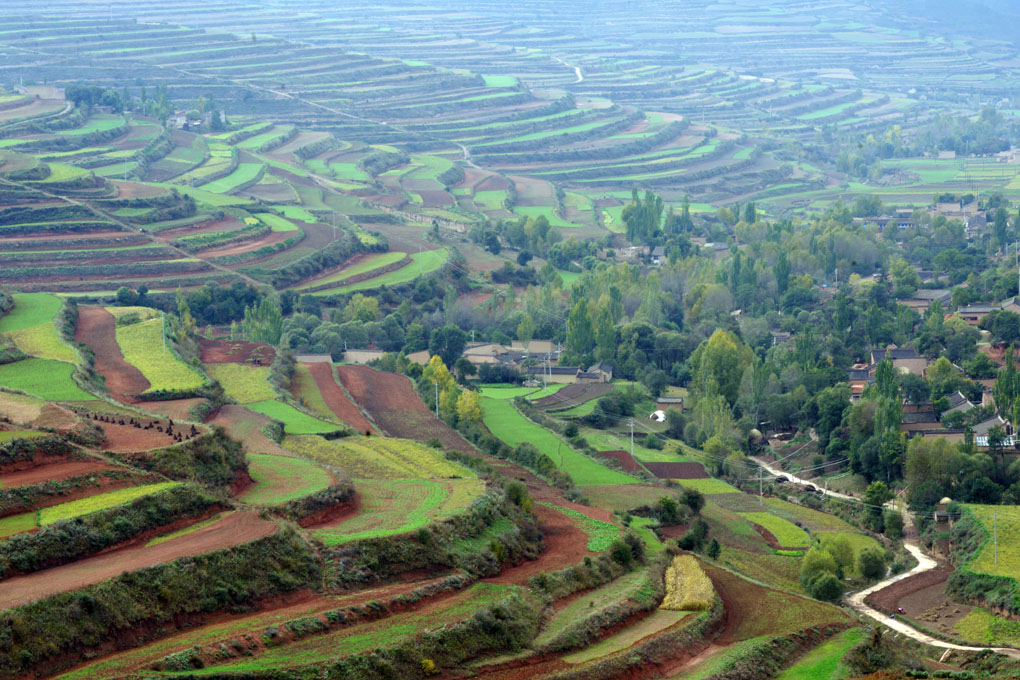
column 436, row 383
column 761, row 492
column 162, row 326
column 995, row 535
column 631, row 438
column 419, row 263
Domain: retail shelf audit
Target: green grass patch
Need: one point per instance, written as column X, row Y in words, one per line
column 295, row 212
column 242, row 383
column 499, row 81
column 707, row 486
column 588, row 603
column 11, row 435
column 825, row 661
column 640, row 526
column 245, row 172
column 142, row 345
column 197, row 526
column 1008, row 527
column 366, row 264
column 279, row 479
column 654, row 623
column 379, row 457
column 787, row 534
column 44, row 378
column 294, row 421
column 983, row 627
column 277, row 223
column 18, row 524
column 394, row 506
column 30, row 326
column 600, row 534
column 85, row 506
column 421, row 263
column 506, row 423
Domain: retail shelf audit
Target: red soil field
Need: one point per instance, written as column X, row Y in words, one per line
column 336, row 399
column 125, row 438
column 133, row 190
column 677, row 470
column 178, row 409
column 623, row 458
column 270, row 239
column 565, row 546
column 232, row 530
column 225, row 224
column 97, row 328
column 48, row 473
column 395, row 407
column 235, row 352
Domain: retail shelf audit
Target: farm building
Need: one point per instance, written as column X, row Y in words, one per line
column 922, row 299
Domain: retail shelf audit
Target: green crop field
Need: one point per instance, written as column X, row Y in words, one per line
column 1008, row 527
column 98, row 123
column 295, row 212
column 378, row 457
column 245, row 172
column 787, row 534
column 365, row 264
column 983, row 627
column 30, row 326
column 592, row 601
column 707, row 486
column 812, row 519
column 600, row 534
column 362, row 638
column 294, row 421
column 277, row 223
column 44, row 378
column 824, row 661
column 506, row 423
column 11, row 435
column 279, row 479
column 84, row 506
column 142, row 345
column 242, row 383
column 395, row 506
column 656, row 622
column 421, row 263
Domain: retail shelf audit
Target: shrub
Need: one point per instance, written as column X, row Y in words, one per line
column 825, row 586
column 621, row 553
column 871, row 563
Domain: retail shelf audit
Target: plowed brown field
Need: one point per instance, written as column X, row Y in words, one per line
column 394, row 405
column 97, row 328
column 336, row 399
column 51, row 473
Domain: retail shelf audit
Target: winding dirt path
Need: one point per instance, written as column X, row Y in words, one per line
column 924, row 564
column 234, row 529
column 97, row 328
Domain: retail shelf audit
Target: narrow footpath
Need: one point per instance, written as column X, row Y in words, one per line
column 924, row 563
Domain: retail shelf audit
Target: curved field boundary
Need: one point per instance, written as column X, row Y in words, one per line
column 234, row 529
column 509, row 425
column 395, row 407
column 30, row 326
column 336, row 399
column 677, row 470
column 397, row 506
column 142, row 345
column 574, row 395
column 51, row 473
column 378, row 457
column 279, row 479
column 361, row 269
column 246, row 426
column 44, row 378
column 294, row 421
column 97, row 328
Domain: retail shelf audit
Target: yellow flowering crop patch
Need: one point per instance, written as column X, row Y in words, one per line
column 687, row 586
